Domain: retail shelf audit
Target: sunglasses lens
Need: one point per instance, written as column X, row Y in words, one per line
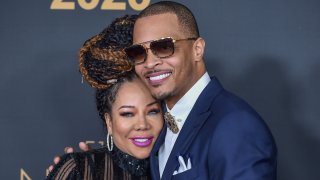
column 136, row 53
column 162, row 48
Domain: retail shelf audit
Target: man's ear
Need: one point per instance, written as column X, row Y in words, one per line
column 108, row 121
column 199, row 46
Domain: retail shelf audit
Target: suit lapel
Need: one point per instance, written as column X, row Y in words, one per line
column 184, row 140
column 197, row 117
column 154, row 161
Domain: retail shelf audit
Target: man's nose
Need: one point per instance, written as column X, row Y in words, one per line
column 151, row 59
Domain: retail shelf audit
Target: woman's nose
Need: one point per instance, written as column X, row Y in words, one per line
column 142, row 123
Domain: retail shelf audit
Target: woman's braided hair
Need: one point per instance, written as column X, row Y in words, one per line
column 104, row 64
column 102, row 57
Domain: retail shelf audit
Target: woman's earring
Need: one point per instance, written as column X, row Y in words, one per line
column 109, row 142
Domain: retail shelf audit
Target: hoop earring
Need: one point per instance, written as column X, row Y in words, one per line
column 109, row 142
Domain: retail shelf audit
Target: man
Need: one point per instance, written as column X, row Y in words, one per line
column 211, row 134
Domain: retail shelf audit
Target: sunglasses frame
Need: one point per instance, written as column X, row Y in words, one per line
column 156, row 40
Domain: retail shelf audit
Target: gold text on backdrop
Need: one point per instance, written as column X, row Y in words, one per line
column 105, row 5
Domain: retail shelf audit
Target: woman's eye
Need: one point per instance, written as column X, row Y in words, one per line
column 154, row 111
column 126, row 114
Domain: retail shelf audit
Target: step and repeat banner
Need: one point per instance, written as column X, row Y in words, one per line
column 265, row 51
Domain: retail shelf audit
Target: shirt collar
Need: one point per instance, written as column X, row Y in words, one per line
column 183, row 107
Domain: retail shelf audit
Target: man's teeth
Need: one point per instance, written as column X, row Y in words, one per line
column 141, row 140
column 159, row 77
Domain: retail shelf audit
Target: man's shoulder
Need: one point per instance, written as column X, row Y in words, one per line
column 225, row 101
column 215, row 93
column 227, row 107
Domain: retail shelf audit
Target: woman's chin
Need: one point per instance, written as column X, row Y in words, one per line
column 142, row 154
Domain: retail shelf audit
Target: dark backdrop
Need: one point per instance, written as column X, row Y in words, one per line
column 266, row 51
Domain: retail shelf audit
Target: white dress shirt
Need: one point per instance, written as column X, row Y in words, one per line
column 180, row 111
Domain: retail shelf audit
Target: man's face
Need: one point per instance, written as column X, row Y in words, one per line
column 167, row 78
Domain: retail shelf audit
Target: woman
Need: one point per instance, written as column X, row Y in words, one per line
column 132, row 117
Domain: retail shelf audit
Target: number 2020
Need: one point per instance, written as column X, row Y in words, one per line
column 106, row 5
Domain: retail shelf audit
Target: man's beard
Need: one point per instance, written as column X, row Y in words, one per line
column 162, row 96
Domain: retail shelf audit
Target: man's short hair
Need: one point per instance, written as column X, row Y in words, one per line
column 184, row 15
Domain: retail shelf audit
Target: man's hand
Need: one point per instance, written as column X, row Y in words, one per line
column 82, row 145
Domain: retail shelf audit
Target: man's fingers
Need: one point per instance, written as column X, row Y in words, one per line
column 84, row 147
column 56, row 160
column 68, row 150
column 50, row 168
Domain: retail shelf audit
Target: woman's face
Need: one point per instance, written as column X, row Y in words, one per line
column 136, row 119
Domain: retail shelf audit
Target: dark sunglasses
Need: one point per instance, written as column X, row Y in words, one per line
column 162, row 48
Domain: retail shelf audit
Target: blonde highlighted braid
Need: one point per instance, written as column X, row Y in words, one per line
column 104, row 64
column 102, row 60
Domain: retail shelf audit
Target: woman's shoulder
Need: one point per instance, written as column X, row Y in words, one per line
column 65, row 169
column 73, row 165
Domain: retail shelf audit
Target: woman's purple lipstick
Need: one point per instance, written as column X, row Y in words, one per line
column 142, row 141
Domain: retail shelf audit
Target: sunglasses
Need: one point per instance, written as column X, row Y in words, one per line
column 161, row 48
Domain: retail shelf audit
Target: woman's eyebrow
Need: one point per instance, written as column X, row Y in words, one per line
column 152, row 103
column 125, row 106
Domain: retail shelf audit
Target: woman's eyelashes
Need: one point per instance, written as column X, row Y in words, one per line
column 154, row 111
column 127, row 114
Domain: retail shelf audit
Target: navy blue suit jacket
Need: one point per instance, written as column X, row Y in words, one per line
column 224, row 138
